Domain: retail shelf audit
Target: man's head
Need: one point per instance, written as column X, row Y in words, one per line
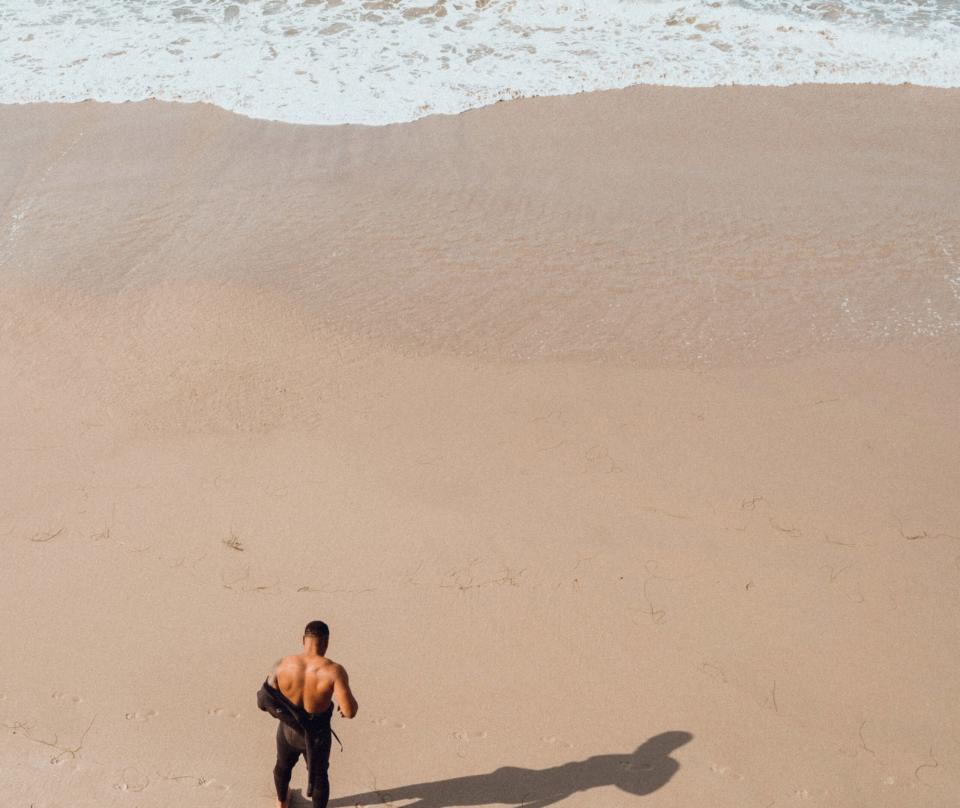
column 317, row 633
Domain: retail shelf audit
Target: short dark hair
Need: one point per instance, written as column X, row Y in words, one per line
column 318, row 629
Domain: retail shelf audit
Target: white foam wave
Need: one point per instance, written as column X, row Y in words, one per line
column 382, row 61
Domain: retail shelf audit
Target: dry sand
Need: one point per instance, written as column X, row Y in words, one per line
column 581, row 421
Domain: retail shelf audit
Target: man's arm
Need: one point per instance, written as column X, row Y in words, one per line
column 342, row 694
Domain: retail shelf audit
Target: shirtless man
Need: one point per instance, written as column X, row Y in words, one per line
column 313, row 683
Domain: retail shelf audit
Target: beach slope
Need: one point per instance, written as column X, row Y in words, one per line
column 615, row 437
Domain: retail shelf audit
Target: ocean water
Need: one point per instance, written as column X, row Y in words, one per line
column 385, row 61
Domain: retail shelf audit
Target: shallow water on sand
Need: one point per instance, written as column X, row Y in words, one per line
column 524, row 230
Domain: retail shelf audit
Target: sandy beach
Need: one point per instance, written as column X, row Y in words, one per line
column 615, row 436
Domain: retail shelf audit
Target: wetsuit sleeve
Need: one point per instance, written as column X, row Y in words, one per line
column 267, row 702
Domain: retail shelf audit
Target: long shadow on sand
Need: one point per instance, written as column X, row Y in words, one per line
column 640, row 772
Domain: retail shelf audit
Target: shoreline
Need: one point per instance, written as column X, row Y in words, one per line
column 430, row 116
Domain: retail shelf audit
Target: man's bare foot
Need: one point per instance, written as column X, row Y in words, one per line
column 282, row 803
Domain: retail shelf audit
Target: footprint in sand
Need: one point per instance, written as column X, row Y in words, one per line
column 223, row 712
column 466, row 736
column 388, row 722
column 141, row 715
column 132, row 779
column 553, row 740
column 725, row 771
column 65, row 697
column 195, row 781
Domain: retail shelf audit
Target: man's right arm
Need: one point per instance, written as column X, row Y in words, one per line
column 342, row 694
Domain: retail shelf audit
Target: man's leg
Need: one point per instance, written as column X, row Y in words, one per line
column 320, row 760
column 287, row 757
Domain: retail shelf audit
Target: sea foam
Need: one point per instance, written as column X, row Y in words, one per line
column 385, row 61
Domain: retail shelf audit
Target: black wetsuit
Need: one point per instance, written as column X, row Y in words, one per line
column 299, row 733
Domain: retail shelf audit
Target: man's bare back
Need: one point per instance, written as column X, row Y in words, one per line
column 312, row 681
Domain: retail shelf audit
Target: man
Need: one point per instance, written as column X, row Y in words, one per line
column 300, row 691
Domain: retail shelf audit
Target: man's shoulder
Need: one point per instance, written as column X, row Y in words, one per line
column 290, row 664
column 329, row 667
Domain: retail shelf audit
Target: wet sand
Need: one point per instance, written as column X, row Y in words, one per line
column 615, row 436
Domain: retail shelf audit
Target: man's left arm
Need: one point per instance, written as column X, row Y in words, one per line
column 342, row 694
